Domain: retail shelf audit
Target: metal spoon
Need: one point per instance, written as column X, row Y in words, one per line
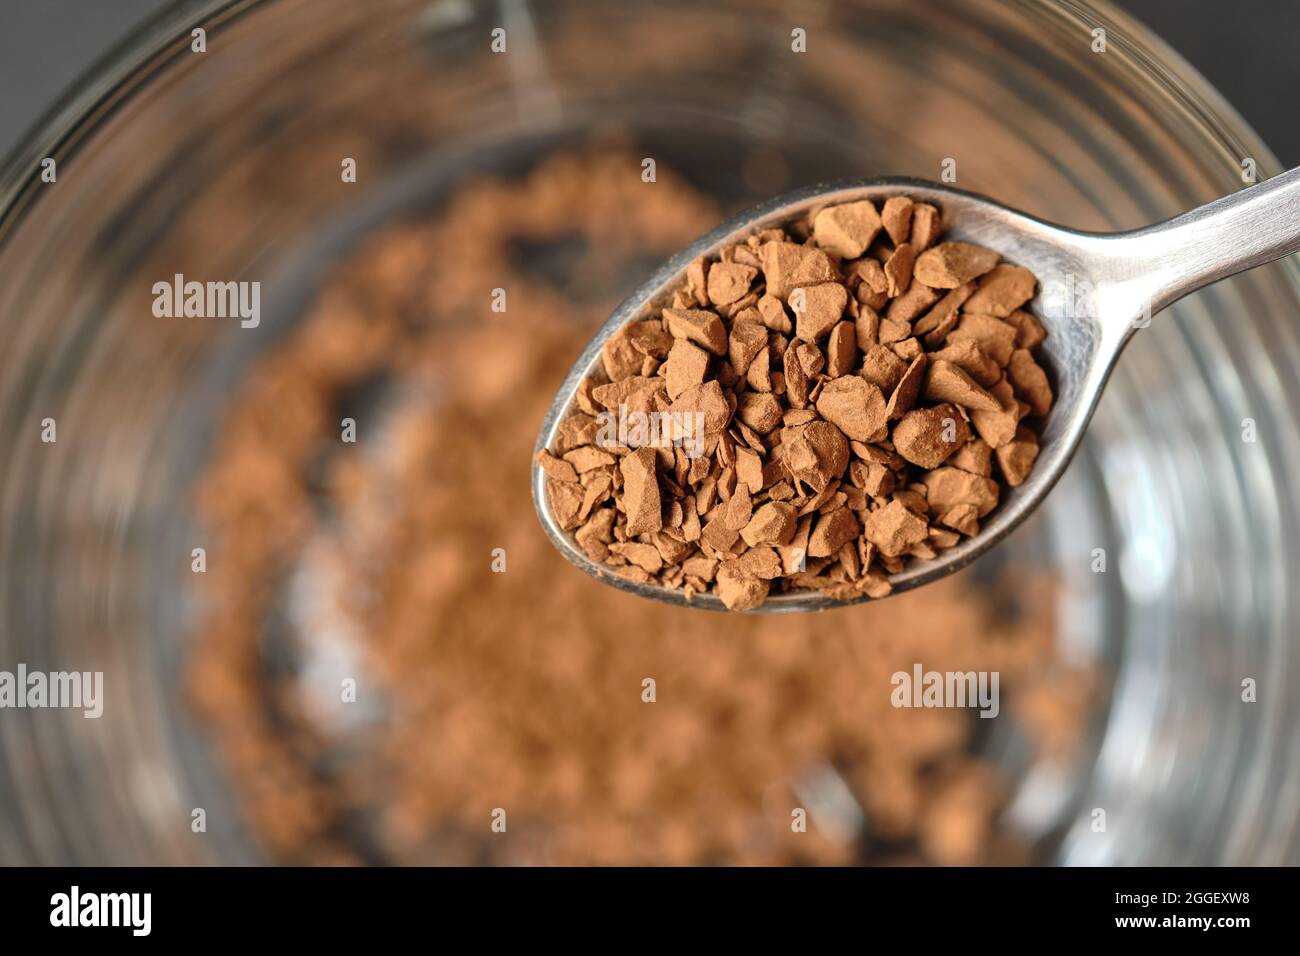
column 1095, row 290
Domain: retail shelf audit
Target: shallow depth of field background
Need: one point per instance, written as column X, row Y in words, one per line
column 1247, row 50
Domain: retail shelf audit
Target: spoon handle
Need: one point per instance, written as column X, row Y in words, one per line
column 1230, row 235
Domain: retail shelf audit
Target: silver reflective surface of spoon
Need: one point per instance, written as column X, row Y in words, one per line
column 1095, row 290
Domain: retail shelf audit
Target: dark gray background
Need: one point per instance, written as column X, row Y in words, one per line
column 1247, row 48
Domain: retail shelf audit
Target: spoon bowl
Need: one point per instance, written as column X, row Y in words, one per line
column 1095, row 291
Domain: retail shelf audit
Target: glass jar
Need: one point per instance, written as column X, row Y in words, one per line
column 225, row 163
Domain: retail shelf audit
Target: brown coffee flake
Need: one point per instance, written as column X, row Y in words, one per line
column 587, row 458
column 926, row 437
column 795, row 379
column 866, row 327
column 999, row 427
column 1003, row 290
column 883, row 368
column 640, row 497
column 818, row 309
column 847, row 229
column 877, row 480
column 787, row 265
column 841, row 350
column 758, row 371
column 1017, row 456
column 686, row 366
column 946, row 488
column 621, row 358
column 644, row 556
column 898, row 270
column 1029, row 331
column 749, row 469
column 943, row 538
column 1030, row 382
column 672, row 549
column 911, row 303
column 774, row 314
column 854, row 406
column 945, row 382
column 926, row 224
column 637, row 394
column 738, row 510
column 576, row 430
column 596, row 533
column 762, row 562
column 971, row 359
column 760, row 411
column 708, row 400
column 963, row 518
column 896, row 217
column 565, row 498
column 798, row 416
column 997, row 339
column 597, row 492
column 700, row 567
column 697, row 286
column 942, row 318
column 699, row 326
column 831, row 532
column 747, row 340
column 893, row 331
column 872, row 281
column 811, row 359
column 718, row 533
column 975, row 456
column 895, row 528
column 773, row 524
column 794, row 556
column 950, row 264
column 908, row 389
column 907, row 349
column 738, row 589
column 815, row 453
column 556, row 469
column 729, row 282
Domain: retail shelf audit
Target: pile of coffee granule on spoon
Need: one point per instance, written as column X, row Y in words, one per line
column 813, row 409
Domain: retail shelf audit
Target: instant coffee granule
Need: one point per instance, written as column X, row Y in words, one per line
column 493, row 677
column 810, row 410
